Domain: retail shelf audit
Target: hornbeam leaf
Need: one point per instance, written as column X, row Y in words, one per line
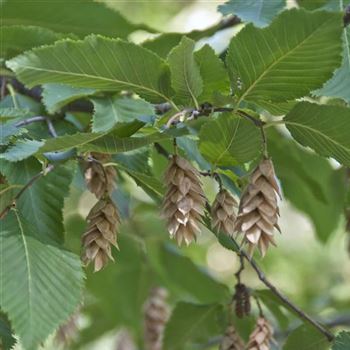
column 16, row 39
column 325, row 129
column 260, row 12
column 100, row 142
column 342, row 341
column 192, row 323
column 185, row 75
column 55, row 96
column 277, row 63
column 229, row 140
column 213, row 72
column 43, row 201
column 40, row 282
column 339, row 85
column 112, row 110
column 21, row 149
column 67, row 17
column 96, row 63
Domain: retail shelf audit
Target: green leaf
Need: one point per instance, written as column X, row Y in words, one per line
column 325, row 129
column 7, row 130
column 47, row 281
column 191, row 323
column 229, row 140
column 213, row 72
column 100, row 142
column 312, row 5
column 67, row 17
column 7, row 339
column 277, row 63
column 342, row 341
column 96, row 63
column 21, row 149
column 110, row 111
column 43, row 201
column 163, row 44
column 313, row 186
column 16, row 39
column 7, row 194
column 189, row 278
column 339, row 85
column 260, row 12
column 56, row 96
column 306, row 338
column 185, row 75
column 9, row 112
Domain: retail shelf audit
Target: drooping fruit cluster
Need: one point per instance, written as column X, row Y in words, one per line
column 223, row 213
column 262, row 335
column 184, row 201
column 99, row 179
column 242, row 300
column 258, row 208
column 101, row 234
column 156, row 314
column 231, row 340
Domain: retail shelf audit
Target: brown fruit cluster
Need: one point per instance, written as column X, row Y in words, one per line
column 258, row 208
column 184, row 201
column 100, row 180
column 223, row 213
column 231, row 340
column 156, row 313
column 262, row 335
column 101, row 234
column 242, row 300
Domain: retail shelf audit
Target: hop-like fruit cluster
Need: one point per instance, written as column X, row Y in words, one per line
column 100, row 180
column 223, row 213
column 242, row 300
column 231, row 340
column 101, row 233
column 125, row 341
column 184, row 201
column 156, row 313
column 262, row 335
column 258, row 208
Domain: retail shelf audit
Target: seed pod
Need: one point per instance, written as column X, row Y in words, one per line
column 156, row 313
column 68, row 332
column 125, row 341
column 231, row 340
column 258, row 208
column 100, row 180
column 262, row 335
column 242, row 300
column 184, row 201
column 223, row 213
column 101, row 233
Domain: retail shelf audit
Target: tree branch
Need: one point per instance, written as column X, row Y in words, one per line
column 303, row 315
column 36, row 119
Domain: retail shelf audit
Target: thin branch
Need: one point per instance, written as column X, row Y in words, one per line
column 51, row 128
column 30, row 121
column 36, row 177
column 241, row 268
column 304, row 316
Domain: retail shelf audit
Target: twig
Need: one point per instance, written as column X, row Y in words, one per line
column 241, row 268
column 161, row 150
column 304, row 316
column 36, row 119
column 49, row 168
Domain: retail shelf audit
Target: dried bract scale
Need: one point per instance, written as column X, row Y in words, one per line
column 223, row 213
column 231, row 340
column 125, row 341
column 262, row 335
column 101, row 234
column 242, row 300
column 184, row 200
column 156, row 313
column 258, row 209
column 100, row 180
column 68, row 332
